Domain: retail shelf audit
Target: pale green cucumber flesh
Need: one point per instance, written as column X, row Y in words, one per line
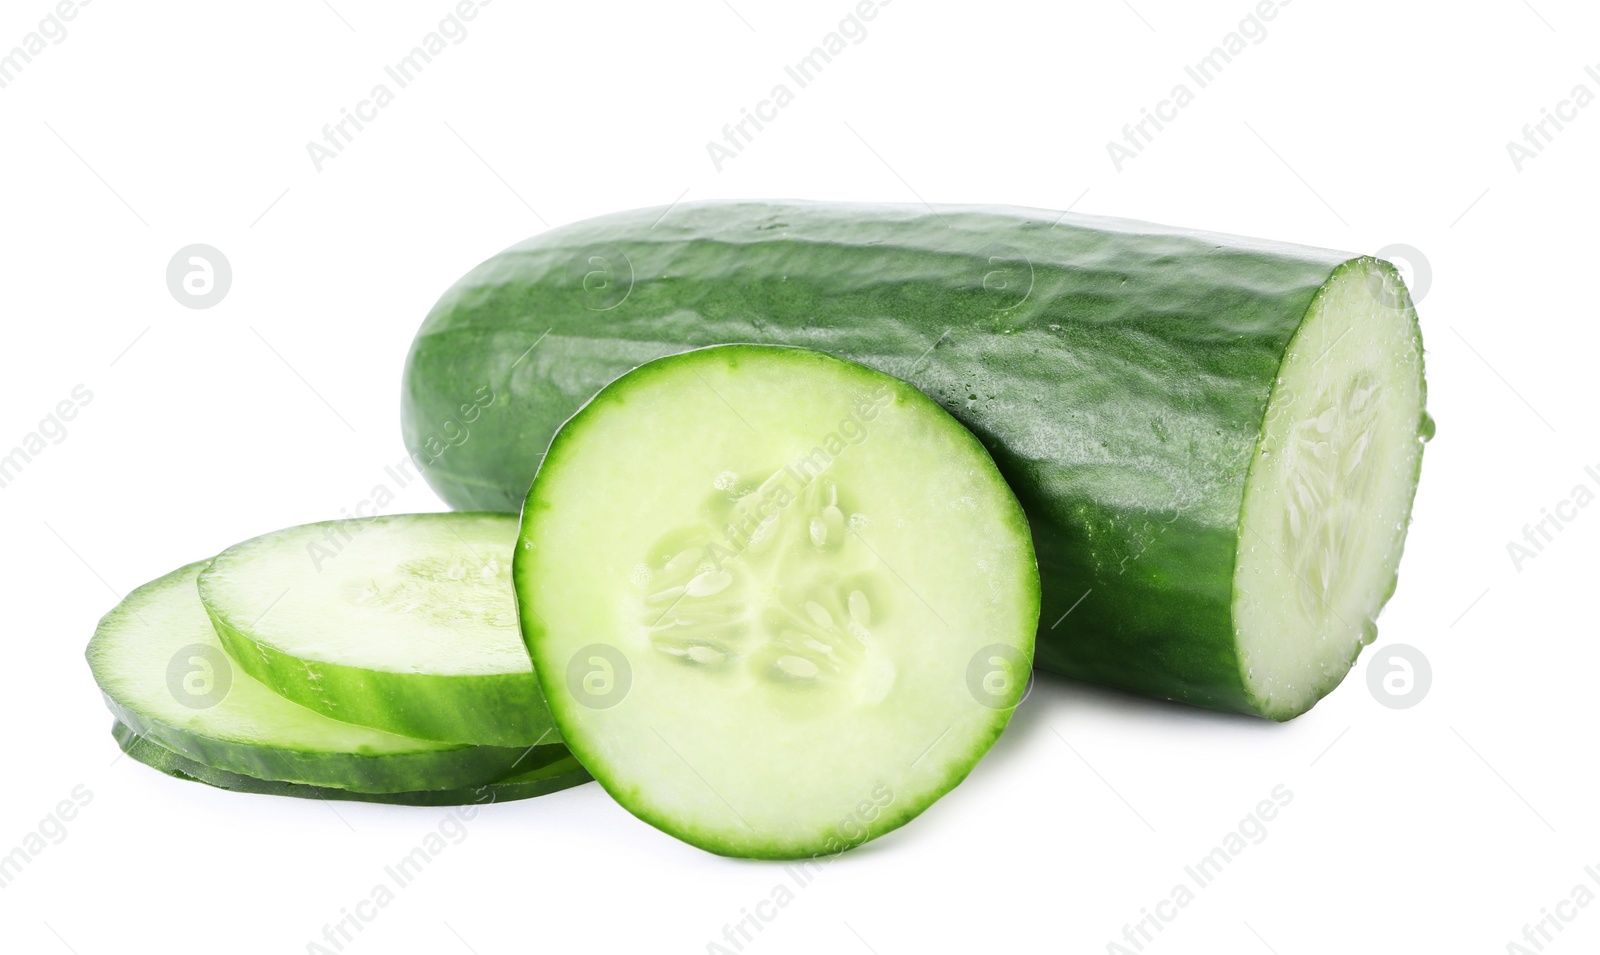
column 404, row 623
column 779, row 602
column 1328, row 497
column 164, row 673
column 548, row 769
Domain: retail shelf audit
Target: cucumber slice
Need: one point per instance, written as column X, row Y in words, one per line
column 163, row 672
column 551, row 769
column 779, row 602
column 1329, row 492
column 403, row 623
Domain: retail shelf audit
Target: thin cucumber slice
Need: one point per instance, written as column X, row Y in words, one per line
column 404, row 623
column 163, row 672
column 552, row 770
column 1328, row 496
column 779, row 603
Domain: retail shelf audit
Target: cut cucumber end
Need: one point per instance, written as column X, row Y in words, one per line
column 1328, row 496
column 804, row 611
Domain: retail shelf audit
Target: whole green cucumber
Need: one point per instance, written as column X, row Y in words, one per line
column 1217, row 440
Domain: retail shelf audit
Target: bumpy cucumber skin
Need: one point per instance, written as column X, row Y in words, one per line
column 501, row 709
column 432, row 765
column 569, row 714
column 1118, row 372
column 545, row 773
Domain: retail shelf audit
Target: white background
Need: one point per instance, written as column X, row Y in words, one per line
column 1443, row 827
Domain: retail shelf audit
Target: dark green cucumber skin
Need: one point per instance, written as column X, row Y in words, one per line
column 1118, row 372
column 545, row 773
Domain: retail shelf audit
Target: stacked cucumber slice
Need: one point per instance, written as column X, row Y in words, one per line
column 805, row 612
column 409, row 626
column 546, row 773
column 213, row 703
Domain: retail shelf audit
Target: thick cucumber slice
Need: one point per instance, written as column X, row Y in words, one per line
column 164, row 674
column 405, row 624
column 779, row 602
column 551, row 769
column 1329, row 492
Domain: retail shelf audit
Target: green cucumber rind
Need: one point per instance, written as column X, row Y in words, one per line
column 500, row 709
column 552, row 680
column 548, row 773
